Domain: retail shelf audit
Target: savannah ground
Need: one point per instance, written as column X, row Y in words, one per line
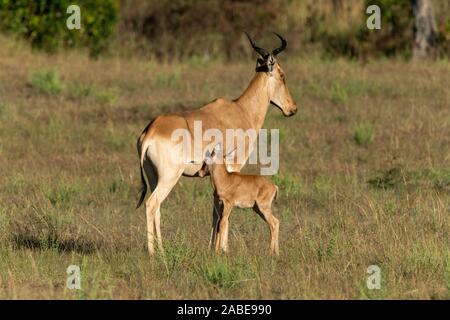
column 364, row 180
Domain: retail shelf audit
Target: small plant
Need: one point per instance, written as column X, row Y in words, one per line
column 364, row 134
column 338, row 95
column 322, row 185
column 390, row 208
column 114, row 186
column 106, row 96
column 442, row 180
column 220, row 275
column 4, row 222
column 288, row 183
column 177, row 252
column 198, row 61
column 116, row 138
column 46, row 81
column 60, row 194
column 55, row 128
column 168, row 80
column 223, row 274
column 81, row 90
column 388, row 179
column 3, row 109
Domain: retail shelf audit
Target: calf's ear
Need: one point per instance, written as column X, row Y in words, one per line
column 208, row 156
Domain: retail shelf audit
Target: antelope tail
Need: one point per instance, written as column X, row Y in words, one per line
column 143, row 191
column 142, row 147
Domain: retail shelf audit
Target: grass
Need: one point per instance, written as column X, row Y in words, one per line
column 224, row 275
column 364, row 134
column 46, row 81
column 3, row 110
column 82, row 90
column 69, row 181
column 168, row 80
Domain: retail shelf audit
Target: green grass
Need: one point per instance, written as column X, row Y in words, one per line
column 338, row 95
column 224, row 274
column 81, row 90
column 46, row 81
column 168, row 80
column 288, row 184
column 108, row 96
column 3, row 110
column 364, row 134
column 351, row 194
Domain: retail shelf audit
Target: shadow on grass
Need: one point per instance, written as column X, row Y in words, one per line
column 82, row 246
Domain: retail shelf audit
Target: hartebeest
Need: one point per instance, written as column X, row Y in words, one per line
column 234, row 189
column 160, row 155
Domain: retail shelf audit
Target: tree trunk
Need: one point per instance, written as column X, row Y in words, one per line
column 425, row 30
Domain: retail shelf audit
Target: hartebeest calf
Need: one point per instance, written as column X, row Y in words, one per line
column 234, row 189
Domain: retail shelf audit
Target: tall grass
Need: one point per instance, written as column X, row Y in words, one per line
column 350, row 196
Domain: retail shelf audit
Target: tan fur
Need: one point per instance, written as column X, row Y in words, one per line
column 156, row 149
column 244, row 191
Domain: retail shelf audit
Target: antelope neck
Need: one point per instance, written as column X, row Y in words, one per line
column 255, row 100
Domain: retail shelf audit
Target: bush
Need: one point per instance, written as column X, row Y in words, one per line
column 43, row 23
column 394, row 38
column 46, row 81
column 363, row 134
column 186, row 28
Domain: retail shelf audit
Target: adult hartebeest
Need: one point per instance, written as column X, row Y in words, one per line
column 160, row 154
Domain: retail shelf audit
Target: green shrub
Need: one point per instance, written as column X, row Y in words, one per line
column 43, row 22
column 3, row 109
column 338, row 95
column 288, row 184
column 168, row 80
column 224, row 274
column 363, row 134
column 46, row 81
column 396, row 33
column 394, row 37
column 185, row 28
column 81, row 90
column 388, row 179
column 107, row 96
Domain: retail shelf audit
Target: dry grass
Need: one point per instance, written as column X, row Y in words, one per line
column 69, row 182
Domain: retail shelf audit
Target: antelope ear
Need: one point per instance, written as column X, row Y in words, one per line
column 208, row 156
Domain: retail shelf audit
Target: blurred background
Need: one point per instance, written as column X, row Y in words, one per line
column 176, row 29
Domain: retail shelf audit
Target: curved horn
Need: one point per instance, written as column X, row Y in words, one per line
column 282, row 47
column 262, row 52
